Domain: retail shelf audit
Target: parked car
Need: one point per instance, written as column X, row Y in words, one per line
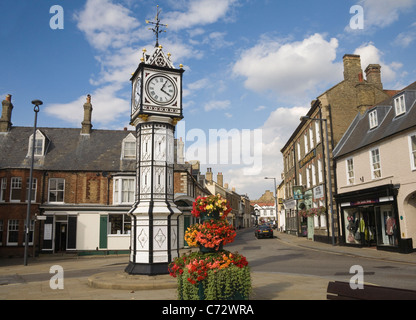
column 263, row 231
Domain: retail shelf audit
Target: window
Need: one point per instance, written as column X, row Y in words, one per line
column 313, row 170
column 31, row 227
column 311, row 139
column 129, row 147
column 320, row 172
column 124, row 190
column 317, row 132
column 412, row 142
column 373, row 119
column 308, row 178
column 119, row 224
column 399, row 105
column 3, row 187
column 16, row 189
column 306, row 143
column 34, row 188
column 13, row 232
column 39, row 144
column 350, row 171
column 298, row 145
column 56, row 190
column 375, row 164
column 300, row 178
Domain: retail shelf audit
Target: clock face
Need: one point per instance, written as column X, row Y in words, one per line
column 137, row 92
column 161, row 89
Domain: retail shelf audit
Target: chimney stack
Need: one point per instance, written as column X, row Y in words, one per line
column 373, row 75
column 220, row 179
column 352, row 67
column 209, row 175
column 6, row 115
column 86, row 124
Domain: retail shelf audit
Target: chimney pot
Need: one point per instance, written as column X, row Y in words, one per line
column 6, row 114
column 352, row 67
column 86, row 124
column 373, row 75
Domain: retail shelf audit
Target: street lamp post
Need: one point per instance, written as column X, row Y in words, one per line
column 275, row 198
column 37, row 103
column 304, row 118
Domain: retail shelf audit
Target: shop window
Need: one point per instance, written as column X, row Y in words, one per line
column 386, row 226
column 119, row 224
column 13, row 232
column 16, row 189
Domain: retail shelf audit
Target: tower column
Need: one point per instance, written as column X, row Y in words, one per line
column 154, row 237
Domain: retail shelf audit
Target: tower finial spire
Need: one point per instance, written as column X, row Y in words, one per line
column 157, row 26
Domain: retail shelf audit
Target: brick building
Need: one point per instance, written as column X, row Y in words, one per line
column 84, row 185
column 304, row 154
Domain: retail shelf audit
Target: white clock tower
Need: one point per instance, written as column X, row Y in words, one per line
column 156, row 107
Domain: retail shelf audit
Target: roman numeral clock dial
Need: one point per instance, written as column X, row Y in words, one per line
column 161, row 89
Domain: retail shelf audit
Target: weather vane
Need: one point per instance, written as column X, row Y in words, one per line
column 157, row 25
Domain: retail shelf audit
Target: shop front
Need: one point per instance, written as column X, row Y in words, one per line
column 369, row 218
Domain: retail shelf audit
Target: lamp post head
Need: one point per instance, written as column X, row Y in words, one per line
column 304, row 118
column 37, row 102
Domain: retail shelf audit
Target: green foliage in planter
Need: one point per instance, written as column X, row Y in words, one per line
column 231, row 283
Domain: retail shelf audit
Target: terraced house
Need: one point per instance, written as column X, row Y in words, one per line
column 376, row 174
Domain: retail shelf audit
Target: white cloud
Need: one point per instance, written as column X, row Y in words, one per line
column 217, row 105
column 405, row 38
column 276, row 131
column 105, row 24
column 292, row 70
column 107, row 108
column 382, row 13
column 260, row 108
column 370, row 54
column 200, row 12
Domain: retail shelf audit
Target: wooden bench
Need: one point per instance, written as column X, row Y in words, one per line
column 342, row 291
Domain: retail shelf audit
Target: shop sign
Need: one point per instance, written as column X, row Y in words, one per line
column 318, row 192
column 364, row 202
column 298, row 192
column 307, row 158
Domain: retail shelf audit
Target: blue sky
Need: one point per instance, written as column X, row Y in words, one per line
column 250, row 65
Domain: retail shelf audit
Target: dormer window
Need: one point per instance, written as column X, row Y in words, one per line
column 400, row 105
column 372, row 116
column 129, row 147
column 39, row 145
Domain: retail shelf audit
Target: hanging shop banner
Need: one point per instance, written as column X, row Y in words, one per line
column 298, row 192
column 318, row 192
